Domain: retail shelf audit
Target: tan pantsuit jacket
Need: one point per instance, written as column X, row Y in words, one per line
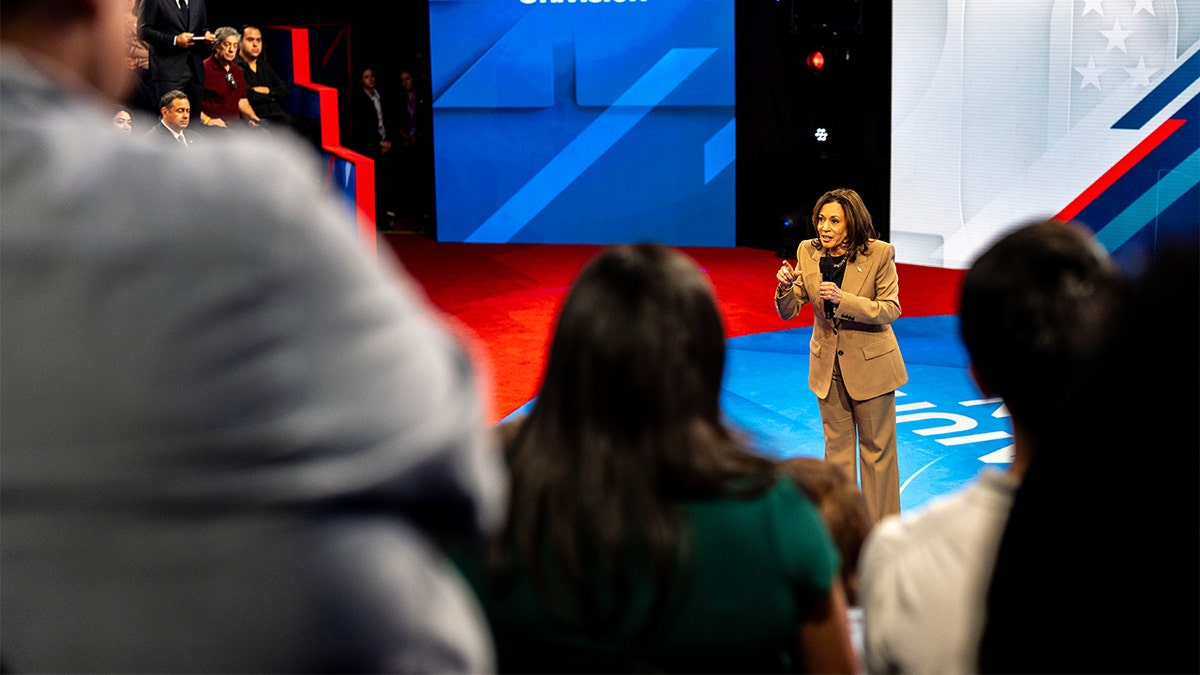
column 861, row 331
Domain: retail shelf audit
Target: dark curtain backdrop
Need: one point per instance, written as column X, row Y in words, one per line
column 782, row 169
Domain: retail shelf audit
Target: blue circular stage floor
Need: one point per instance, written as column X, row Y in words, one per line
column 947, row 432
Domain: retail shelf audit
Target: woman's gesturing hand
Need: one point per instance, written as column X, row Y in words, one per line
column 786, row 276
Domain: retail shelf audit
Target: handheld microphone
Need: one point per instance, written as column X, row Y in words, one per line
column 827, row 275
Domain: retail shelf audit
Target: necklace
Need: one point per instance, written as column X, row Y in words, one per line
column 840, row 263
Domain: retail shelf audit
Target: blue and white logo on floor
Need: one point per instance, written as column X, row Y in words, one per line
column 946, row 431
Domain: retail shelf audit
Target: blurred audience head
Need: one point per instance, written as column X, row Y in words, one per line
column 80, row 39
column 842, row 508
column 639, row 343
column 627, row 422
column 1128, row 435
column 1033, row 309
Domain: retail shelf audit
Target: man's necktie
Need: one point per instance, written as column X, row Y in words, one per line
column 182, row 140
column 183, row 11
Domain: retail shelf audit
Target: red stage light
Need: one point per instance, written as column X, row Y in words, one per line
column 815, row 61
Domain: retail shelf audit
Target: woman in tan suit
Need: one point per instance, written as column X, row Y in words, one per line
column 849, row 276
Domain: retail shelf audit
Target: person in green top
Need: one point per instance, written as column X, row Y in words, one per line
column 644, row 534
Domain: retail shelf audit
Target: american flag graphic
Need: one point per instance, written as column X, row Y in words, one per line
column 1077, row 109
column 1119, row 47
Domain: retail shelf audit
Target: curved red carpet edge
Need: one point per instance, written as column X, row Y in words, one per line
column 504, row 297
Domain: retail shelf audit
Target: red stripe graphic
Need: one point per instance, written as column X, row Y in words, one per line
column 1120, row 168
column 364, row 187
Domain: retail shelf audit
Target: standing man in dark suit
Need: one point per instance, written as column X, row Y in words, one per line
column 415, row 151
column 373, row 132
column 178, row 38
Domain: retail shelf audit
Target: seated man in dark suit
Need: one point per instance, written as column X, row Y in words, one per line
column 175, row 115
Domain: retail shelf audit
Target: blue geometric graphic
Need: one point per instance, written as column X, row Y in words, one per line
column 589, row 145
column 590, row 123
column 1157, row 198
column 522, row 60
column 720, row 151
column 1173, row 185
column 1166, row 91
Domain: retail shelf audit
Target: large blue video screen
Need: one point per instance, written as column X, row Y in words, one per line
column 584, row 122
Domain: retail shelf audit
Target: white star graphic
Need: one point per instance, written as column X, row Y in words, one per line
column 1116, row 36
column 1092, row 6
column 1141, row 74
column 1147, row 5
column 1091, row 74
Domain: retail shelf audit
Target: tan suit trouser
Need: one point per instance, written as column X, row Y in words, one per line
column 875, row 422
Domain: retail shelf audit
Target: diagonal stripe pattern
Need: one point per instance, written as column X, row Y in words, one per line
column 608, row 128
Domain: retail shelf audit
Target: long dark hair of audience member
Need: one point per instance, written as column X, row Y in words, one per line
column 626, row 425
column 1111, row 501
